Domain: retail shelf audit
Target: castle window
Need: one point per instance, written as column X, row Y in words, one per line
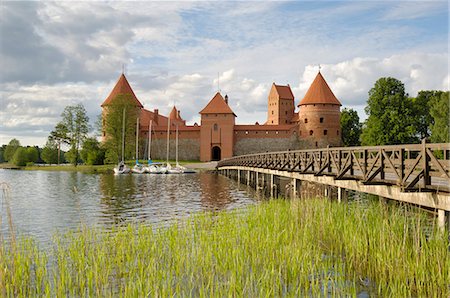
column 256, row 133
column 338, row 132
column 317, row 144
column 216, row 115
column 215, row 126
column 272, row 121
column 285, row 121
column 276, row 132
column 321, row 119
column 246, row 132
column 267, row 132
column 306, row 120
column 311, row 132
column 285, row 112
column 325, row 132
column 272, row 112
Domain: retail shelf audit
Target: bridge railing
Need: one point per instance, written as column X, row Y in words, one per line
column 412, row 167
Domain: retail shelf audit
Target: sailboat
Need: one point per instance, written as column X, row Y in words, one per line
column 152, row 167
column 178, row 169
column 122, row 168
column 138, row 168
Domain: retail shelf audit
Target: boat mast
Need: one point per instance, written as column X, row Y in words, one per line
column 137, row 141
column 149, row 139
column 168, row 134
column 176, row 146
column 123, row 134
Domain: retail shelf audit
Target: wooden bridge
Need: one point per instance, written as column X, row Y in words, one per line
column 413, row 173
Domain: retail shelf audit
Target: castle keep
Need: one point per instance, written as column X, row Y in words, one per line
column 316, row 124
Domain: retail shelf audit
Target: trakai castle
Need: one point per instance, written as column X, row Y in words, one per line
column 316, row 124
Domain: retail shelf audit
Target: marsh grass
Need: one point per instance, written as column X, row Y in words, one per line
column 277, row 248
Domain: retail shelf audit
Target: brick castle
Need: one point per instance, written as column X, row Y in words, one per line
column 316, row 124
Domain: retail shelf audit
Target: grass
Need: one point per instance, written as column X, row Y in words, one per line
column 277, row 248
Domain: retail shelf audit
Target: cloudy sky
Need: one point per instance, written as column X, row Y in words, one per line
column 58, row 54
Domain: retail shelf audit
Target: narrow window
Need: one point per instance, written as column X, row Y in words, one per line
column 267, row 132
column 285, row 121
column 215, row 126
column 246, row 132
column 321, row 119
column 338, row 132
column 272, row 121
column 285, row 112
column 306, row 120
column 272, row 112
column 310, row 132
column 317, row 144
column 325, row 132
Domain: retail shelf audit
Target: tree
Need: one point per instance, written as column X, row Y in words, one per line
column 32, row 154
column 112, row 127
column 20, row 157
column 439, row 111
column 91, row 153
column 2, row 152
column 50, row 153
column 350, row 127
column 390, row 114
column 10, row 149
column 59, row 136
column 421, row 112
column 74, row 128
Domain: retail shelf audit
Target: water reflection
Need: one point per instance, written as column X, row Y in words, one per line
column 43, row 202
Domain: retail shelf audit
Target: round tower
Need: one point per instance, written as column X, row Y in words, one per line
column 319, row 115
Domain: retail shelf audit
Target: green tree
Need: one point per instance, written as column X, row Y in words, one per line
column 422, row 119
column 74, row 128
column 92, row 153
column 50, row 153
column 390, row 114
column 2, row 152
column 32, row 154
column 20, row 157
column 350, row 127
column 439, row 111
column 10, row 149
column 112, row 127
column 59, row 136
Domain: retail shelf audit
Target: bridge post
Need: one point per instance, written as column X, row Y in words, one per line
column 271, row 185
column 340, row 194
column 256, row 181
column 441, row 219
column 239, row 176
column 294, row 188
column 326, row 191
column 248, row 177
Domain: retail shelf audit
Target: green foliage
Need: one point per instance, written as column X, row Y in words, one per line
column 439, row 111
column 2, row 151
column 350, row 127
column 421, row 112
column 11, row 149
column 50, row 152
column 391, row 115
column 20, row 157
column 32, row 154
column 112, row 126
column 72, row 130
column 111, row 156
column 92, row 153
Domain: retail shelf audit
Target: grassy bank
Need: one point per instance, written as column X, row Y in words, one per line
column 278, row 248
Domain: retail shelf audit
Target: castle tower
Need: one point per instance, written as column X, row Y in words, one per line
column 280, row 105
column 319, row 115
column 122, row 89
column 217, row 127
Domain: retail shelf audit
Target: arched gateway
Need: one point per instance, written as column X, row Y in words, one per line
column 215, row 153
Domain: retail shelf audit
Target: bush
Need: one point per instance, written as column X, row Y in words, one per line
column 20, row 157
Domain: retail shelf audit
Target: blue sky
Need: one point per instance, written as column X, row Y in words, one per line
column 56, row 54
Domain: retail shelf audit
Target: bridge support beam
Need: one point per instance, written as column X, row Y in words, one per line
column 340, row 193
column 441, row 219
column 256, row 181
column 239, row 176
column 271, row 185
column 294, row 188
column 248, row 177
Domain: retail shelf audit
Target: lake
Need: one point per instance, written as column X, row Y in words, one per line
column 44, row 202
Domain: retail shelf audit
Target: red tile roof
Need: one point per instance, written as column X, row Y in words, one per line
column 174, row 113
column 284, row 92
column 122, row 87
column 217, row 105
column 319, row 93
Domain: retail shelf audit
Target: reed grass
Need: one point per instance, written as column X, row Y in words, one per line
column 278, row 248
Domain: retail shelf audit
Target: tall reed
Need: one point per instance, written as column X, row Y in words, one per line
column 277, row 248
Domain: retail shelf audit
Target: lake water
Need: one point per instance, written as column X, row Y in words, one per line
column 44, row 202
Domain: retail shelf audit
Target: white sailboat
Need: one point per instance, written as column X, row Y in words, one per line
column 138, row 168
column 177, row 169
column 152, row 167
column 122, row 168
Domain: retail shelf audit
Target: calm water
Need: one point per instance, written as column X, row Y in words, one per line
column 45, row 202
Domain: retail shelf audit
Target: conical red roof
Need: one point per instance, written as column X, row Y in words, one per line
column 122, row 87
column 217, row 105
column 319, row 93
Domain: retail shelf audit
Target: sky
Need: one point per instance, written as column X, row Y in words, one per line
column 55, row 54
